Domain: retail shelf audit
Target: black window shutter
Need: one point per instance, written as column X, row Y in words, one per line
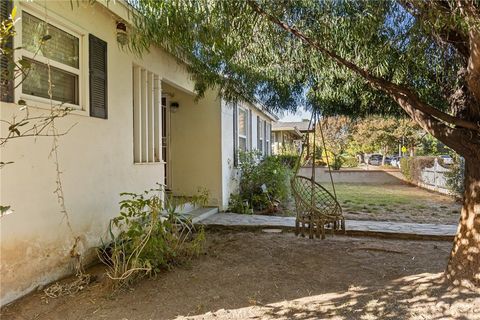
column 98, row 77
column 235, row 135
column 6, row 76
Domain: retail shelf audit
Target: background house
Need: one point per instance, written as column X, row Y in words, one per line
column 135, row 124
column 287, row 137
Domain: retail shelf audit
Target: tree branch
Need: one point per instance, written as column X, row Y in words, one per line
column 447, row 34
column 397, row 92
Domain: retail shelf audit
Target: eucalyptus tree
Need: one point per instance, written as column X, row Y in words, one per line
column 412, row 58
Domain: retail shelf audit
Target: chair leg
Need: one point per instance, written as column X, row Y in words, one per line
column 297, row 226
column 318, row 232
column 322, row 225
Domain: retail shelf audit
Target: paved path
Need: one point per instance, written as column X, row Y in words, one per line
column 354, row 227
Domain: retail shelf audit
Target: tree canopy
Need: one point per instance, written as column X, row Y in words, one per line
column 228, row 45
column 356, row 58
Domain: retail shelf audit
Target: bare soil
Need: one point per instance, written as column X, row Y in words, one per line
column 259, row 275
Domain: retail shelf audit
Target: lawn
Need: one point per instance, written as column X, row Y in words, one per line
column 392, row 202
column 255, row 275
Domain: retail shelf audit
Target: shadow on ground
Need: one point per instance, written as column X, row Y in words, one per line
column 247, row 275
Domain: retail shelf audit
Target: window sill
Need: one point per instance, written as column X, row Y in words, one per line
column 149, row 163
column 46, row 104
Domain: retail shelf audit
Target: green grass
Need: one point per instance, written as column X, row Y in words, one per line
column 392, row 203
column 361, row 197
column 381, row 198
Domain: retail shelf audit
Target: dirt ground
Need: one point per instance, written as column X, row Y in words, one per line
column 391, row 202
column 279, row 276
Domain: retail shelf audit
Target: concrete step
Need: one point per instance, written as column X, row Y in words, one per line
column 187, row 207
column 200, row 214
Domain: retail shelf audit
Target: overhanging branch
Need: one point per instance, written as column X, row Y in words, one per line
column 396, row 91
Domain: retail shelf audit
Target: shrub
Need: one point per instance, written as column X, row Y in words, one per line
column 238, row 205
column 455, row 177
column 288, row 160
column 412, row 167
column 262, row 183
column 147, row 237
column 337, row 162
column 350, row 162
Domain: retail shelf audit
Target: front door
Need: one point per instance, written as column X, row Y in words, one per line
column 166, row 142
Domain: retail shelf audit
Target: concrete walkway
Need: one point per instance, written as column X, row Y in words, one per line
column 400, row 230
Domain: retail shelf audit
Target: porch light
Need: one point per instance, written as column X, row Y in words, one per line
column 122, row 36
column 174, row 106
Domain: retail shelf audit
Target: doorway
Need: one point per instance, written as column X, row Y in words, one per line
column 166, row 143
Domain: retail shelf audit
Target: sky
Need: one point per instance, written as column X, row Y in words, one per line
column 298, row 116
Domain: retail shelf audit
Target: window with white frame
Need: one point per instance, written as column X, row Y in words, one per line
column 261, row 134
column 54, row 56
column 242, row 129
column 146, row 116
column 268, row 134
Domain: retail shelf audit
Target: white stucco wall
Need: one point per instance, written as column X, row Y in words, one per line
column 96, row 160
column 196, row 145
column 230, row 175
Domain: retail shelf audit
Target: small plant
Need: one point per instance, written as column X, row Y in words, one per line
column 148, row 236
column 238, row 205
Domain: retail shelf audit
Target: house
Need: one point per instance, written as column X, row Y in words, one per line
column 135, row 124
column 287, row 137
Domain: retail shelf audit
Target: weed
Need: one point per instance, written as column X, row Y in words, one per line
column 148, row 236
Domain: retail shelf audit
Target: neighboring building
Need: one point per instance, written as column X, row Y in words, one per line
column 288, row 136
column 135, row 123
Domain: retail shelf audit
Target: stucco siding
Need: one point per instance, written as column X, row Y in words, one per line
column 196, row 145
column 95, row 158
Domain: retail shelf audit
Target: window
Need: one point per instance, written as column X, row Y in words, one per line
column 268, row 134
column 146, row 116
column 260, row 134
column 242, row 129
column 58, row 58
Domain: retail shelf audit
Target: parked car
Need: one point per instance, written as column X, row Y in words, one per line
column 388, row 160
column 447, row 160
column 375, row 159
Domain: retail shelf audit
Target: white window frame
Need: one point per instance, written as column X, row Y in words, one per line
column 268, row 133
column 82, row 72
column 239, row 135
column 261, row 136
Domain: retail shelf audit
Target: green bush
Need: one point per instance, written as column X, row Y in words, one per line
column 288, row 160
column 412, row 167
column 262, row 183
column 350, row 162
column 147, row 237
column 455, row 177
column 337, row 162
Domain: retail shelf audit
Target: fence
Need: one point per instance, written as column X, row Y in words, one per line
column 433, row 178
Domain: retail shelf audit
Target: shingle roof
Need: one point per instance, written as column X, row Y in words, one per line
column 302, row 126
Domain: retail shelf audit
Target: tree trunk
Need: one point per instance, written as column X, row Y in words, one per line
column 464, row 264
